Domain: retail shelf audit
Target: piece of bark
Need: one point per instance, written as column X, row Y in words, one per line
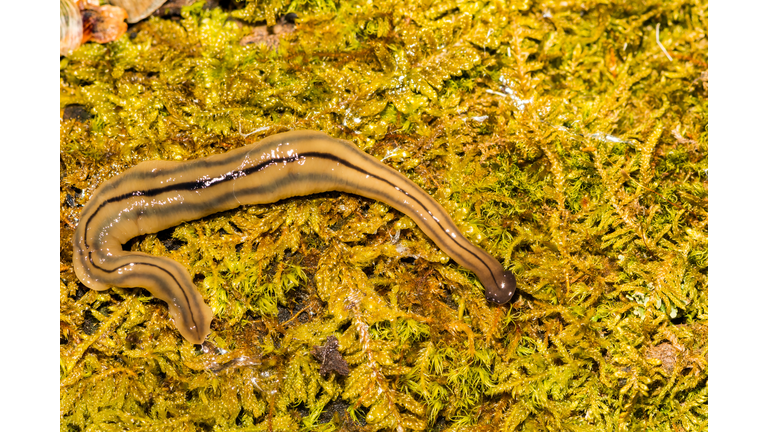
column 329, row 357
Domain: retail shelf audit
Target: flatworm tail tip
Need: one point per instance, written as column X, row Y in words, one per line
column 191, row 332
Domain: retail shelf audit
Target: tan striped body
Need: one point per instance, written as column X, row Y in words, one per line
column 156, row 195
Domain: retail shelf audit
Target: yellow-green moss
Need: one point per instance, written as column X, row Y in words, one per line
column 558, row 134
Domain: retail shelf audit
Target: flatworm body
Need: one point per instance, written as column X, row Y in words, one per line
column 156, row 195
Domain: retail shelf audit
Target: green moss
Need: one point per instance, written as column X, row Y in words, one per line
column 558, row 135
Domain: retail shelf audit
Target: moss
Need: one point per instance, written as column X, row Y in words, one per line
column 558, row 135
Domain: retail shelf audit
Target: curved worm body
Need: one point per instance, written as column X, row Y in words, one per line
column 156, row 195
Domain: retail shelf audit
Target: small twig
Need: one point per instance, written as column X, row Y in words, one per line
column 659, row 43
column 296, row 315
column 240, row 130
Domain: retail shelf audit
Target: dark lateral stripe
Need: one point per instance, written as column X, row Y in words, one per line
column 187, row 186
column 232, row 175
column 228, row 160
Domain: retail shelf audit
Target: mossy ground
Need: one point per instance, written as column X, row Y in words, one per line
column 558, row 134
